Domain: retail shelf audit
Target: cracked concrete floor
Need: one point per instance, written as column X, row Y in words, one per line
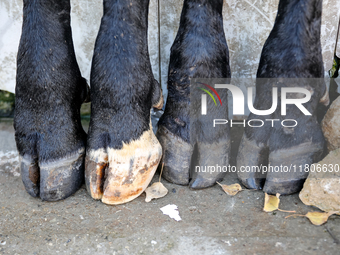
column 212, row 222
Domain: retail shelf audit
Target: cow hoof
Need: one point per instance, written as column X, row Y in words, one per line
column 176, row 157
column 208, row 169
column 182, row 168
column 117, row 176
column 285, row 172
column 53, row 180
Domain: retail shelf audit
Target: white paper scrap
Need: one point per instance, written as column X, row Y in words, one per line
column 171, row 211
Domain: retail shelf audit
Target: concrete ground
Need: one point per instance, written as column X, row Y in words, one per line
column 212, row 222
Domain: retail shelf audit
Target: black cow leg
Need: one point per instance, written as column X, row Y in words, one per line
column 199, row 51
column 291, row 57
column 49, row 92
column 123, row 152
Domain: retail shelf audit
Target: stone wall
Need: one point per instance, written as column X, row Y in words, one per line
column 247, row 24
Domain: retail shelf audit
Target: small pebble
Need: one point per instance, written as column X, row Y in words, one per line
column 192, row 208
column 173, row 190
column 279, row 244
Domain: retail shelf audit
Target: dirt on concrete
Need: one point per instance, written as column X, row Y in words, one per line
column 212, row 222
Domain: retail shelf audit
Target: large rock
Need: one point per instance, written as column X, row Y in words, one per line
column 322, row 189
column 331, row 126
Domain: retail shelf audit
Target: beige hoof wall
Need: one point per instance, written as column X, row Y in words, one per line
column 119, row 176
